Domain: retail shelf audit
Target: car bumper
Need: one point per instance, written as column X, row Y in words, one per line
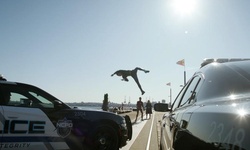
column 126, row 133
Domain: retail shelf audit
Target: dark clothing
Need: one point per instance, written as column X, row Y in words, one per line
column 139, row 106
column 148, row 108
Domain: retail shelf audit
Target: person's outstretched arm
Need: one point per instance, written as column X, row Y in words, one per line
column 113, row 73
column 118, row 71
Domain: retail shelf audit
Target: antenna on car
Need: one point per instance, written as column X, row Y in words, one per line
column 2, row 78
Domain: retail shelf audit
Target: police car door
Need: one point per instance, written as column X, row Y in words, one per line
column 25, row 126
column 1, row 125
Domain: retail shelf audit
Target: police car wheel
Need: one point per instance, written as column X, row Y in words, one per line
column 105, row 138
column 129, row 126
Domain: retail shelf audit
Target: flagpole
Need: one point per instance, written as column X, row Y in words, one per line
column 184, row 75
column 170, row 96
column 182, row 63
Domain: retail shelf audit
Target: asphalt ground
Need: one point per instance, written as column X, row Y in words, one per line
column 146, row 133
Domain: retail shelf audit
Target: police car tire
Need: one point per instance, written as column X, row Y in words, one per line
column 108, row 135
column 129, row 126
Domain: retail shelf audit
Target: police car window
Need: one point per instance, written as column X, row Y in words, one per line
column 43, row 101
column 190, row 92
column 16, row 99
column 225, row 81
column 178, row 98
column 25, row 96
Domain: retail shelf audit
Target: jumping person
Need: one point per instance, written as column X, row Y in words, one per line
column 133, row 74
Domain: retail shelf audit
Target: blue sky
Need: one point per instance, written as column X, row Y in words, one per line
column 71, row 47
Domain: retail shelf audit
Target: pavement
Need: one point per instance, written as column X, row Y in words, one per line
column 146, row 133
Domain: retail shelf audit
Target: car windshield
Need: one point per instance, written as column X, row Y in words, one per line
column 225, row 81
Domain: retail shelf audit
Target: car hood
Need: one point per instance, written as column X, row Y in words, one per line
column 91, row 115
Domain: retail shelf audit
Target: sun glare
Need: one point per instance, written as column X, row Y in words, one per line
column 184, row 7
column 242, row 112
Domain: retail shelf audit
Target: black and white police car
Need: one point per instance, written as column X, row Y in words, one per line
column 212, row 111
column 31, row 118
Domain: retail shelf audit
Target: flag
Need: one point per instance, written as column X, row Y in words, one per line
column 181, row 62
column 169, row 83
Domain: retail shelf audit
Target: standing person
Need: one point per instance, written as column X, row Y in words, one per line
column 139, row 106
column 133, row 74
column 148, row 109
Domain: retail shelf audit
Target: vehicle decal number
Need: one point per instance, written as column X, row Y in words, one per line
column 79, row 114
column 234, row 136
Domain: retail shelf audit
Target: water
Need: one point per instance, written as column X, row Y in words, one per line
column 89, row 107
column 99, row 108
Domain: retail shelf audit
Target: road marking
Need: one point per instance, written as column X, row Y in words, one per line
column 137, row 127
column 150, row 132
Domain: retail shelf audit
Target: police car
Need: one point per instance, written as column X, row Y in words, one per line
column 212, row 111
column 31, row 118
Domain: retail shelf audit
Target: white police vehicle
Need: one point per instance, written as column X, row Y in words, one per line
column 31, row 118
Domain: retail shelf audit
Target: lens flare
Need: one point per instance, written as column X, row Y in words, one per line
column 242, row 112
